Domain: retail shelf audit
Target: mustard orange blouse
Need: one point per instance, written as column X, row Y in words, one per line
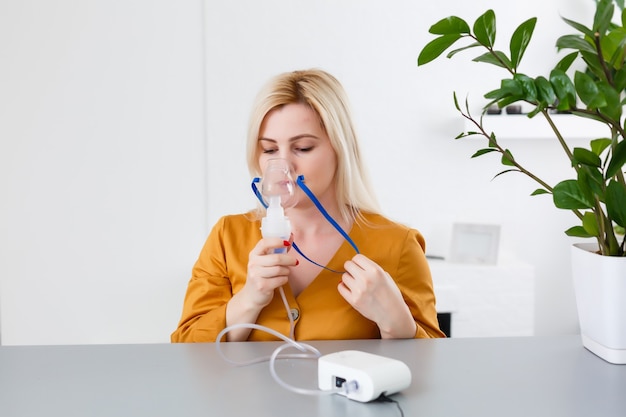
column 322, row 313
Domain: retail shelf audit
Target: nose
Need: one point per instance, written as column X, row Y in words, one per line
column 288, row 156
column 277, row 165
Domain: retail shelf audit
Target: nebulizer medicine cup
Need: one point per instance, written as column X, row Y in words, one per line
column 278, row 189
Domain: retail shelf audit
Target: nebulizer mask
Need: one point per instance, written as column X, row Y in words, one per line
column 277, row 193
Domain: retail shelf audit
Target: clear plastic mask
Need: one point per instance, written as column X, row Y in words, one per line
column 278, row 182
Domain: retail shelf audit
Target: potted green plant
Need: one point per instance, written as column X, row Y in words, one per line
column 596, row 192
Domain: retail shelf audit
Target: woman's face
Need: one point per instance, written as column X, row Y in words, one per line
column 294, row 132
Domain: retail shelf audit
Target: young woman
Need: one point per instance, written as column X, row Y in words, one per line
column 383, row 291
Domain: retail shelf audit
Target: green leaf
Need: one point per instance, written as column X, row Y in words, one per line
column 618, row 159
column 612, row 108
column 579, row 27
column 540, row 191
column 520, row 39
column 496, row 58
column 590, row 224
column 508, row 87
column 585, row 185
column 485, row 28
column 564, row 89
column 591, row 183
column 599, row 145
column 466, row 134
column 574, row 42
column 545, row 92
column 508, row 100
column 586, row 157
column 566, row 61
column 540, row 107
column 456, row 101
column 567, row 195
column 456, row 51
column 451, row 25
column 528, row 86
column 592, row 116
column 507, row 158
column 616, row 202
column 620, row 79
column 594, row 65
column 504, row 172
column 436, row 47
column 613, row 48
column 588, row 91
column 483, row 152
column 578, row 231
column 602, row 18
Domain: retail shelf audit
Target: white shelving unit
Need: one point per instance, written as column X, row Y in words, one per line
column 519, row 126
column 486, row 300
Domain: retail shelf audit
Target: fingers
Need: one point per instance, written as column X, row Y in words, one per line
column 268, row 268
column 373, row 293
column 271, row 245
column 362, row 268
column 366, row 286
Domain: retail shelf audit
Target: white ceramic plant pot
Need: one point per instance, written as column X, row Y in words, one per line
column 600, row 286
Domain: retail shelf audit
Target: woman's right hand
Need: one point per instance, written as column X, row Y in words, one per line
column 267, row 270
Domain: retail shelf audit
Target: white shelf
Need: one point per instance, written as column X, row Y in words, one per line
column 486, row 300
column 519, row 126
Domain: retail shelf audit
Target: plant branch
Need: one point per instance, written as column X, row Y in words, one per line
column 559, row 136
column 601, row 221
column 605, row 69
column 495, row 145
column 493, row 52
column 612, row 124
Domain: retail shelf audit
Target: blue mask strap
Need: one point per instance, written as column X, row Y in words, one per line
column 257, row 193
column 309, row 193
column 297, row 249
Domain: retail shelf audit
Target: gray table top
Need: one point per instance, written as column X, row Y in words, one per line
column 527, row 376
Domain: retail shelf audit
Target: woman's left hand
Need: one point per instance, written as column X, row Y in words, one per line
column 373, row 293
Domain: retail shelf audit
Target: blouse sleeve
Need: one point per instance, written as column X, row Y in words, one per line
column 415, row 282
column 208, row 291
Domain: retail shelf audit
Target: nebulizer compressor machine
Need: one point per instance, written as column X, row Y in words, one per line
column 359, row 376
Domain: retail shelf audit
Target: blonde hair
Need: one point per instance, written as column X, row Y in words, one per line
column 326, row 96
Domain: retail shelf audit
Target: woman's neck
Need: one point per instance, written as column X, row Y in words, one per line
column 309, row 221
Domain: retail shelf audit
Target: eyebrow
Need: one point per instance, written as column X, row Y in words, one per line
column 293, row 139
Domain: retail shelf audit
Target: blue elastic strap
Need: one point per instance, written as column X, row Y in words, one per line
column 257, row 193
column 309, row 193
column 297, row 249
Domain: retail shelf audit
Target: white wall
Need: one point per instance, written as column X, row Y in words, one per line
column 105, row 160
column 102, row 168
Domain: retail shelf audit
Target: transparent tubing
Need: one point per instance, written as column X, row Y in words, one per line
column 278, row 189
